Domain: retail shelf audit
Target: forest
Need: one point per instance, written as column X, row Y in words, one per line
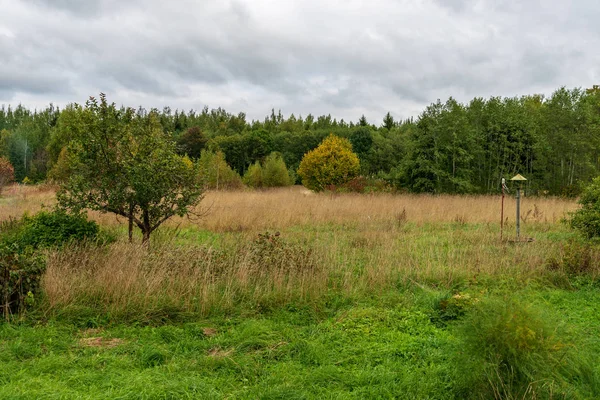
column 450, row 147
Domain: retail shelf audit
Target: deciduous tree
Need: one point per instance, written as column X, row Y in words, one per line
column 124, row 164
column 332, row 163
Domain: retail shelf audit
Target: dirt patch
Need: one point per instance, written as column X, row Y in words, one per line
column 220, row 353
column 210, row 332
column 100, row 342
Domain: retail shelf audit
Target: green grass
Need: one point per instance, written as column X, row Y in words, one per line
column 357, row 337
column 380, row 347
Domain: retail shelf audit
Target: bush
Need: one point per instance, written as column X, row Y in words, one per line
column 215, row 173
column 21, row 265
column 61, row 170
column 332, row 163
column 509, row 351
column 253, row 177
column 587, row 219
column 273, row 173
column 50, row 229
column 21, row 270
column 7, row 173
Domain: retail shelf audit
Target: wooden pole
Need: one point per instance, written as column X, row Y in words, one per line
column 502, row 210
column 502, row 214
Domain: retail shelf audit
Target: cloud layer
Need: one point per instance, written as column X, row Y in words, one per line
column 345, row 58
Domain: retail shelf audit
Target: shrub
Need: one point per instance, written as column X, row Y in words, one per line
column 587, row 219
column 21, row 270
column 254, row 176
column 49, row 229
column 274, row 172
column 61, row 170
column 21, row 265
column 215, row 173
column 7, row 173
column 332, row 163
column 509, row 351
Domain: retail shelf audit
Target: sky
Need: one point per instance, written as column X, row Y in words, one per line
column 340, row 57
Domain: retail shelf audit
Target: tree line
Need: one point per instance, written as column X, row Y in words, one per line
column 451, row 147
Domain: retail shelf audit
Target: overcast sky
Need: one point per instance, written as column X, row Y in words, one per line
column 344, row 57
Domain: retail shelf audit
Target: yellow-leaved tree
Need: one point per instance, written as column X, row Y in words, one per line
column 332, row 163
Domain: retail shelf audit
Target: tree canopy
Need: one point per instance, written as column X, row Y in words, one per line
column 123, row 163
column 332, row 163
column 451, row 147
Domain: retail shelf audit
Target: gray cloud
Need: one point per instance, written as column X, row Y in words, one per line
column 343, row 58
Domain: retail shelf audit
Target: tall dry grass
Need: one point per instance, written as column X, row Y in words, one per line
column 347, row 244
column 298, row 206
column 132, row 281
column 129, row 281
column 286, row 207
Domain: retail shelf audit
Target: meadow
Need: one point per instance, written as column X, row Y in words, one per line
column 286, row 293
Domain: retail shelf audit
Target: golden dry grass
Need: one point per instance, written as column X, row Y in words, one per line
column 282, row 208
column 297, row 206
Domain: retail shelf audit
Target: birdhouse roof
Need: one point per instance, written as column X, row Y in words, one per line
column 518, row 177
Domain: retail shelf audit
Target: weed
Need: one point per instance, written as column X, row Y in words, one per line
column 511, row 351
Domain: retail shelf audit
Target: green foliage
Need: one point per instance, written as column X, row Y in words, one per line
column 275, row 171
column 124, row 164
column 332, row 163
column 450, row 308
column 362, row 140
column 215, row 173
column 388, row 122
column 48, row 229
column 272, row 173
column 449, row 148
column 587, row 219
column 61, row 170
column 511, row 351
column 192, row 142
column 21, row 265
column 21, row 270
column 254, row 176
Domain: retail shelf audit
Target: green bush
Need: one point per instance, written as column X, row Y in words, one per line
column 253, row 176
column 509, row 351
column 20, row 270
column 22, row 265
column 215, row 173
column 587, row 219
column 49, row 229
column 274, row 172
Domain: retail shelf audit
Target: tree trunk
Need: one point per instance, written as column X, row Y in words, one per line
column 146, row 237
column 146, row 228
column 130, row 224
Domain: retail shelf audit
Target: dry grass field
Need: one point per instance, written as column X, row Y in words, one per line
column 282, row 208
column 346, row 243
